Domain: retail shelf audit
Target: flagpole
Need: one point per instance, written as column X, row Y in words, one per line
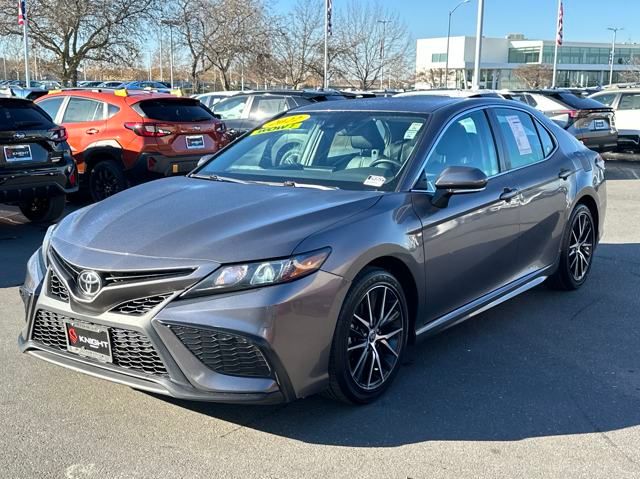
column 555, row 53
column 25, row 33
column 326, row 43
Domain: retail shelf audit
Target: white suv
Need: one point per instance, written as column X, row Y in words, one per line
column 626, row 103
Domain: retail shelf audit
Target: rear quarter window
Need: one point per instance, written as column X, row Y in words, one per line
column 175, row 110
column 22, row 115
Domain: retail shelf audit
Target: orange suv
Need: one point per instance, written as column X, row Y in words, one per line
column 121, row 137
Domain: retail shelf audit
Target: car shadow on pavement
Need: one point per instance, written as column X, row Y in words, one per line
column 546, row 363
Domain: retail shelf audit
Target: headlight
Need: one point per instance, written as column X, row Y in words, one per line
column 261, row 273
column 46, row 242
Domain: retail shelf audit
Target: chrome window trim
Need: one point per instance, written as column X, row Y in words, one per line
column 471, row 110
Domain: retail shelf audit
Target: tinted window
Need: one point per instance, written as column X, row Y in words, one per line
column 629, row 101
column 112, row 110
column 545, row 138
column 575, row 102
column 169, row 109
column 82, row 109
column 232, row 108
column 51, row 105
column 268, row 106
column 466, row 142
column 18, row 115
column 520, row 137
column 606, row 99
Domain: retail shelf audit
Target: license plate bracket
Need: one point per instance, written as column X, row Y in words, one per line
column 16, row 153
column 600, row 125
column 88, row 340
column 195, row 142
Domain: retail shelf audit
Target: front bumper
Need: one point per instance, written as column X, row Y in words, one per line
column 291, row 324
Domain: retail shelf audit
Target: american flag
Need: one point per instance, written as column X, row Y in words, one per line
column 22, row 11
column 560, row 24
column 329, row 15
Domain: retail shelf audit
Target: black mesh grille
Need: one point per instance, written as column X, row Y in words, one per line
column 224, row 353
column 57, row 289
column 138, row 307
column 129, row 349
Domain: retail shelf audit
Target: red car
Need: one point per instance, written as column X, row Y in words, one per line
column 121, row 137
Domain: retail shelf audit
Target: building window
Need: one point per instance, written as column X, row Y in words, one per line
column 438, row 57
column 524, row 55
column 590, row 55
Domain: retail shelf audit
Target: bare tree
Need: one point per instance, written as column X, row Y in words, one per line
column 297, row 42
column 535, row 75
column 77, row 30
column 430, row 78
column 632, row 74
column 364, row 42
column 194, row 30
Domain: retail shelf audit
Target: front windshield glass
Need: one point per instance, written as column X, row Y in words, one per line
column 346, row 150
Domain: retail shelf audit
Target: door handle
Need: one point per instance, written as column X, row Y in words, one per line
column 92, row 131
column 565, row 173
column 508, row 194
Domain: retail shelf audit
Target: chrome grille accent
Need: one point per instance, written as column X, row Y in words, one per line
column 223, row 352
column 57, row 289
column 138, row 307
column 129, row 349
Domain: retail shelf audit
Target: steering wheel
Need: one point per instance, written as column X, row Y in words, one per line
column 389, row 161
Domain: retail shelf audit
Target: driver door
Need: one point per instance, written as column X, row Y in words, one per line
column 470, row 245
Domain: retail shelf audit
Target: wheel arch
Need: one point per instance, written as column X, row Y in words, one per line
column 590, row 202
column 102, row 152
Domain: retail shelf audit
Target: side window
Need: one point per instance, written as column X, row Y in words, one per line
column 606, row 99
column 545, row 138
column 112, row 110
column 81, row 109
column 51, row 106
column 629, row 101
column 268, row 106
column 520, row 137
column 231, row 109
column 466, row 142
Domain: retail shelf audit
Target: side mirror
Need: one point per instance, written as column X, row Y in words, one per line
column 457, row 180
column 217, row 116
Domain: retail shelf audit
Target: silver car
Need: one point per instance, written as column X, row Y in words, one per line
column 311, row 254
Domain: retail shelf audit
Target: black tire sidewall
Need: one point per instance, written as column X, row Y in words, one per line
column 52, row 211
column 112, row 167
column 339, row 364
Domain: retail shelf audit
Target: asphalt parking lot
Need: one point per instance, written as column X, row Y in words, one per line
column 546, row 385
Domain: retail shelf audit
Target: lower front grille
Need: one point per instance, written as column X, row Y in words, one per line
column 223, row 352
column 57, row 289
column 129, row 349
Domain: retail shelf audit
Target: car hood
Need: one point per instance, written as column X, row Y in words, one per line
column 201, row 220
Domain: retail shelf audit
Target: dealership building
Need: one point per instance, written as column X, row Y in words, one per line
column 580, row 64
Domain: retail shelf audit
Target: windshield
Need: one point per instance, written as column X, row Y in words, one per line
column 347, row 150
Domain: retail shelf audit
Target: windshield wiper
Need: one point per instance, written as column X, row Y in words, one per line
column 225, row 179
column 308, row 185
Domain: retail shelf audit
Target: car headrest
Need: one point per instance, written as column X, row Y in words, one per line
column 367, row 137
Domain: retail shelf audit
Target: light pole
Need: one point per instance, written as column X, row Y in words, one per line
column 476, row 67
column 446, row 68
column 171, row 24
column 382, row 52
column 613, row 51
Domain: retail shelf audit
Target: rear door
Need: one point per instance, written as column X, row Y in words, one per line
column 84, row 119
column 541, row 174
column 234, row 111
column 191, row 128
column 26, row 134
column 628, row 113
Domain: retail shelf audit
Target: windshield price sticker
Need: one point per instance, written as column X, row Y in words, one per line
column 373, row 180
column 522, row 141
column 412, row 131
column 287, row 123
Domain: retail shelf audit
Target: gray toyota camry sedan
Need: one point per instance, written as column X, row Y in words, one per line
column 311, row 254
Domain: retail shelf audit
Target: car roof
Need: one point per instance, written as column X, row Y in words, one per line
column 409, row 104
column 615, row 90
column 133, row 96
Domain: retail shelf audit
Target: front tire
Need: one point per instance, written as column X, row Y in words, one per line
column 370, row 338
column 43, row 209
column 106, row 179
column 576, row 257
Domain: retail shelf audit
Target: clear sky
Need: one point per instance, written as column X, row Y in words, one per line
column 584, row 20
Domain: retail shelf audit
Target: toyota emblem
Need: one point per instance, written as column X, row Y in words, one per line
column 89, row 283
column 19, row 136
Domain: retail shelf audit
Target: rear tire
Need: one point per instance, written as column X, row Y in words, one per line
column 370, row 338
column 106, row 179
column 43, row 209
column 576, row 257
